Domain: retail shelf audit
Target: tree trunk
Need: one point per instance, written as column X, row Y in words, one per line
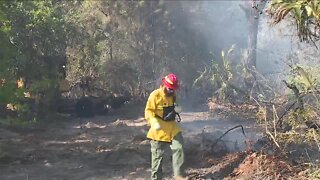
column 253, row 10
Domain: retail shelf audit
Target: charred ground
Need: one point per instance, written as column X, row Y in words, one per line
column 115, row 147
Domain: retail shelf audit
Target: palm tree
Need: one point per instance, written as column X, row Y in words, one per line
column 305, row 13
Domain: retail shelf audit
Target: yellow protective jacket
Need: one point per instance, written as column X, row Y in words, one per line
column 153, row 113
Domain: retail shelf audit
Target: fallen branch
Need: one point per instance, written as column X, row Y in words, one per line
column 268, row 133
column 315, row 138
column 275, row 116
column 213, row 144
column 285, row 112
column 274, row 140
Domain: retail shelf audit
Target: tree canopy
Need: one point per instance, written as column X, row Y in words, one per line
column 111, row 46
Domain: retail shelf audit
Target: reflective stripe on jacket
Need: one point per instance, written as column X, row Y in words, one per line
column 154, row 110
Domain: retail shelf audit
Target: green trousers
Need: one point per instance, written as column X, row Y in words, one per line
column 158, row 150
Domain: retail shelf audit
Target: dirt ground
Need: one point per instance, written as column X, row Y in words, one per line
column 115, row 147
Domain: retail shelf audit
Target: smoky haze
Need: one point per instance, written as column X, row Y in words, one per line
column 224, row 23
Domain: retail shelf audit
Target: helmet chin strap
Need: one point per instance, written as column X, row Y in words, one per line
column 168, row 93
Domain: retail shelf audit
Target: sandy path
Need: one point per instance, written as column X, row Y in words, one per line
column 111, row 147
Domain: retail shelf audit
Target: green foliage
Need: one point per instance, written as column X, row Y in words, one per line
column 31, row 47
column 118, row 46
column 304, row 87
column 223, row 74
column 9, row 93
column 305, row 13
column 220, row 77
column 139, row 38
column 290, row 137
column 103, row 40
column 303, row 84
column 302, row 79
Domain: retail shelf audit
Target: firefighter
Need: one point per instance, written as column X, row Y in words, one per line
column 164, row 132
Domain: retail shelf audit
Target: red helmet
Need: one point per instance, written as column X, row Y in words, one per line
column 170, row 81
